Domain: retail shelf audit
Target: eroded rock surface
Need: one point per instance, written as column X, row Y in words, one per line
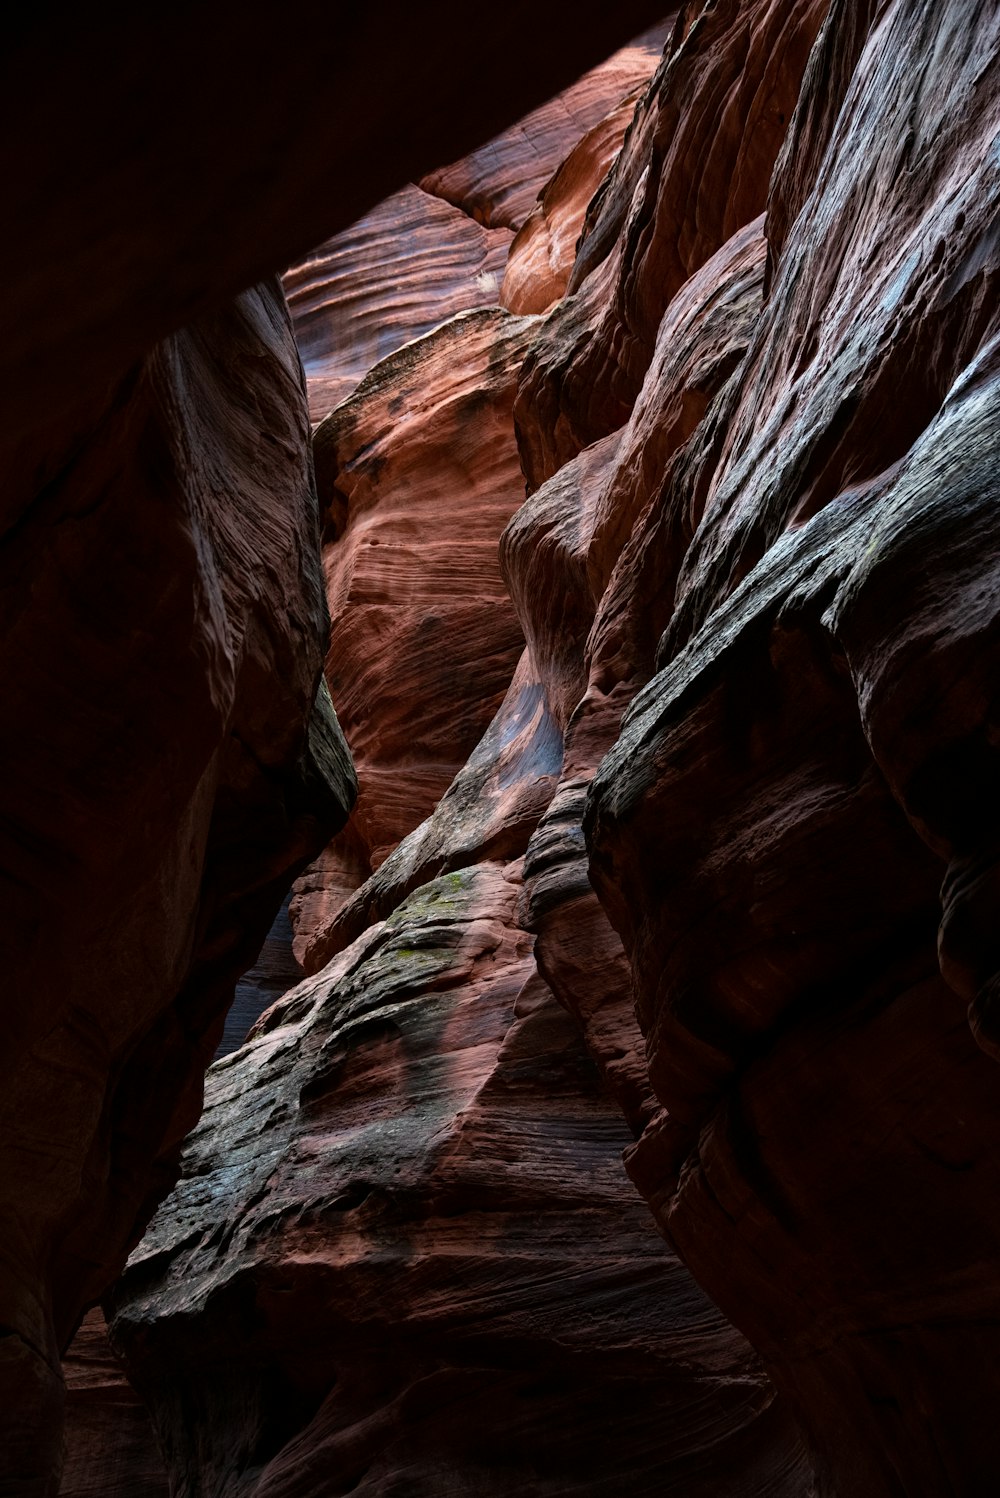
column 771, row 831
column 399, row 272
column 403, row 1258
column 418, row 474
column 163, row 626
column 717, row 883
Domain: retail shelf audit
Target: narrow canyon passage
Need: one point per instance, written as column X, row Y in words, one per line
column 619, row 1111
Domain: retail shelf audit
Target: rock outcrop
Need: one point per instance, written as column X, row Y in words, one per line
column 419, row 475
column 164, row 620
column 699, row 860
column 163, row 624
column 440, row 247
column 813, row 757
column 426, row 1272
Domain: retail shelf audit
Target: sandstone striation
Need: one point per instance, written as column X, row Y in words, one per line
column 677, row 832
column 399, row 272
column 403, row 1258
column 694, row 169
column 171, row 788
column 497, row 184
column 771, row 830
column 418, row 474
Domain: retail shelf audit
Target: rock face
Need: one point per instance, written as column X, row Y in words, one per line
column 433, row 250
column 402, row 270
column 110, row 1444
column 163, row 618
column 715, row 886
column 419, row 475
column 403, row 1256
column 168, row 796
column 426, row 1275
column 770, row 833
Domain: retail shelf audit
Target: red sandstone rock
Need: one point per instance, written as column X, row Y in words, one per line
column 110, row 1444
column 402, row 270
column 775, row 482
column 403, row 1259
column 544, row 248
column 418, row 475
column 429, row 252
column 497, row 185
column 163, row 624
column 770, row 833
column 695, row 170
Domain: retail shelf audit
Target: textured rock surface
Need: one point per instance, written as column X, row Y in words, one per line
column 744, row 726
column 110, row 1444
column 694, row 169
column 402, row 270
column 163, row 625
column 163, row 614
column 440, row 248
column 771, row 831
column 497, row 185
column 403, row 1258
column 418, row 475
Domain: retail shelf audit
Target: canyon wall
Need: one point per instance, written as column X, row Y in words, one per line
column 681, row 844
column 172, row 757
column 403, row 1257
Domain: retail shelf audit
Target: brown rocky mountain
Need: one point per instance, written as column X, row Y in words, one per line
column 630, row 1123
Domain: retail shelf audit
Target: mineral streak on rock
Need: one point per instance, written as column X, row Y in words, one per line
column 402, row 1258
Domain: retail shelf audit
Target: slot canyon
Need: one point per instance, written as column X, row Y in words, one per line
column 500, row 822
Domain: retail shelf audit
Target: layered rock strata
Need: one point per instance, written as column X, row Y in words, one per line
column 771, row 831
column 440, row 247
column 426, row 1271
column 691, row 874
column 163, row 617
column 419, row 474
column 177, row 777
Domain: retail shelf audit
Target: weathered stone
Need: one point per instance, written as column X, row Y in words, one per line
column 695, row 169
column 401, row 1258
column 163, row 624
column 418, row 475
column 770, row 833
column 399, row 272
